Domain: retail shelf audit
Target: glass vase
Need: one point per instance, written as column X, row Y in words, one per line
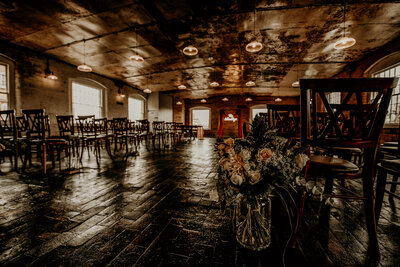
column 253, row 222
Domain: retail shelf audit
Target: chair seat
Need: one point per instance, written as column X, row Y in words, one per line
column 56, row 141
column 391, row 143
column 330, row 164
column 393, row 164
column 346, row 150
column 389, row 149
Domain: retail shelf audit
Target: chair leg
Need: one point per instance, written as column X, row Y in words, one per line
column 393, row 190
column 369, row 200
column 380, row 191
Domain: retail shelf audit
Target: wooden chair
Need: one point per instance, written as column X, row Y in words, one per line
column 159, row 133
column 285, row 119
column 120, row 135
column 367, row 128
column 389, row 163
column 8, row 136
column 170, row 133
column 143, row 130
column 66, row 129
column 38, row 136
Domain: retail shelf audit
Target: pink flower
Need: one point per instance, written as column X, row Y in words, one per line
column 265, row 154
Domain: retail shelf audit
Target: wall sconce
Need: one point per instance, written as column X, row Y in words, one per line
column 48, row 74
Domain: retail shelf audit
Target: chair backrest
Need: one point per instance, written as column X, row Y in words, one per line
column 355, row 122
column 8, row 127
column 119, row 125
column 86, row 125
column 101, row 126
column 35, row 123
column 158, row 127
column 143, row 126
column 285, row 119
column 170, row 126
column 65, row 124
column 21, row 125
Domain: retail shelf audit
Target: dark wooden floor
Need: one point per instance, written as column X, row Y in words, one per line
column 159, row 209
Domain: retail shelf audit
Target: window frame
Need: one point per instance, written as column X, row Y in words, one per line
column 141, row 98
column 201, row 108
column 258, row 106
column 10, row 76
column 375, row 74
column 93, row 84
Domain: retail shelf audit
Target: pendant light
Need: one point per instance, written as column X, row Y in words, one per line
column 136, row 57
column 225, row 99
column 344, row 42
column 203, row 101
column 214, row 83
column 248, row 99
column 250, row 84
column 190, row 50
column 48, row 74
column 296, row 83
column 254, row 46
column 181, row 86
column 84, row 67
column 179, row 103
column 147, row 90
column 278, row 99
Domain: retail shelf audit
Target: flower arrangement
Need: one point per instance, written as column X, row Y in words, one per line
column 249, row 170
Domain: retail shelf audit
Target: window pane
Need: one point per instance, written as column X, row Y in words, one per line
column 3, row 78
column 3, row 101
column 256, row 111
column 392, row 115
column 86, row 100
column 201, row 117
column 135, row 109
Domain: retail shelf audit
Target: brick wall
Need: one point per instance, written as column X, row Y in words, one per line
column 216, row 105
column 32, row 90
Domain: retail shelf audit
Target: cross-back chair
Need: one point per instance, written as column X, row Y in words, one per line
column 365, row 121
column 285, row 119
column 8, row 136
column 159, row 133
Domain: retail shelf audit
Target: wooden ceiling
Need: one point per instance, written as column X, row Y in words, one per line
column 297, row 35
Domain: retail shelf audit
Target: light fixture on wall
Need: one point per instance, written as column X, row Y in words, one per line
column 136, row 57
column 181, row 86
column 254, row 46
column 120, row 93
column 203, row 101
column 296, row 83
column 179, row 103
column 84, row 67
column 344, row 42
column 250, row 84
column 48, row 74
column 225, row 99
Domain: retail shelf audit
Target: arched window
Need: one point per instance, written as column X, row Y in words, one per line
column 87, row 98
column 136, row 107
column 6, row 83
column 258, row 109
column 388, row 67
column 201, row 116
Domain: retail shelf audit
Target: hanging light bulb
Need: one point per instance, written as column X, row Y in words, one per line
column 214, row 84
column 296, row 83
column 84, row 67
column 120, row 93
column 248, row 99
column 278, row 99
column 181, row 86
column 179, row 103
column 190, row 50
column 48, row 74
column 136, row 57
column 250, row 83
column 254, row 46
column 203, row 101
column 225, row 99
column 344, row 42
column 147, row 91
